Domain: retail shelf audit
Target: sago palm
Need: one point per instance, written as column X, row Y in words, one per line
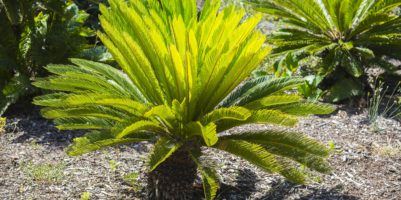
column 347, row 35
column 180, row 87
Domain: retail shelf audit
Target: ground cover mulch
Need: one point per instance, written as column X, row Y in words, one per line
column 366, row 163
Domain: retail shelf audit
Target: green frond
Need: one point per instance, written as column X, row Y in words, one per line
column 210, row 182
column 273, row 100
column 365, row 52
column 100, row 112
column 127, row 105
column 264, row 116
column 83, row 84
column 111, row 74
column 250, row 152
column 294, row 146
column 296, row 141
column 257, row 88
column 314, row 162
column 74, row 123
column 165, row 114
column 235, row 113
column 95, row 140
column 140, row 126
column 291, row 172
column 210, row 178
column 163, row 149
column 209, row 134
column 91, row 99
column 305, row 108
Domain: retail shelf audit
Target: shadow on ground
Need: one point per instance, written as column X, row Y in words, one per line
column 24, row 120
column 283, row 189
column 28, row 126
column 243, row 189
column 246, row 186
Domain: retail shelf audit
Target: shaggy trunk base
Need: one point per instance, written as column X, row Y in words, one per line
column 173, row 179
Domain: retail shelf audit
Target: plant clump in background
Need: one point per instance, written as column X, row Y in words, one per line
column 37, row 33
column 337, row 40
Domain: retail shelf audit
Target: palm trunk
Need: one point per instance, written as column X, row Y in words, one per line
column 173, row 179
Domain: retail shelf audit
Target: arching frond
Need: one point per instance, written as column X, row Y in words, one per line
column 99, row 139
column 253, row 153
column 140, row 126
column 274, row 100
column 303, row 108
column 235, row 113
column 74, row 123
column 294, row 140
column 257, row 88
column 210, row 178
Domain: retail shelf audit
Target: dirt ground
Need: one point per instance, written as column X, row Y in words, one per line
column 33, row 164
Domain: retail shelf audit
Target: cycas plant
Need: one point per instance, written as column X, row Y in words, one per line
column 348, row 36
column 180, row 87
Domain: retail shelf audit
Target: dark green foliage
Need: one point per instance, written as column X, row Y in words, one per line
column 92, row 8
column 336, row 39
column 34, row 34
column 310, row 89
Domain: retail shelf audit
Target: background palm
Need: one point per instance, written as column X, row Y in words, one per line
column 347, row 35
column 180, row 87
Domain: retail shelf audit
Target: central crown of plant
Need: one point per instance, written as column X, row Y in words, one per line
column 180, row 87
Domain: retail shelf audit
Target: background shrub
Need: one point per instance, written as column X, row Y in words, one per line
column 338, row 40
column 34, row 34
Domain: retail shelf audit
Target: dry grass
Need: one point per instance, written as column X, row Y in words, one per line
column 387, row 151
column 2, row 124
column 44, row 172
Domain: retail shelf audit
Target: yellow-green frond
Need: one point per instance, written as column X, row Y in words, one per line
column 95, row 140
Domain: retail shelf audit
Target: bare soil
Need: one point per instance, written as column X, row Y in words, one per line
column 366, row 163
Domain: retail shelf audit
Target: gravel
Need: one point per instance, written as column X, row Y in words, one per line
column 366, row 163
